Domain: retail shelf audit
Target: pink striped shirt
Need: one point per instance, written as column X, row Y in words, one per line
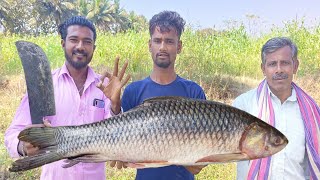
column 71, row 109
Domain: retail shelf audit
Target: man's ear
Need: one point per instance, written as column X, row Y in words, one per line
column 149, row 44
column 295, row 66
column 263, row 69
column 63, row 44
column 179, row 47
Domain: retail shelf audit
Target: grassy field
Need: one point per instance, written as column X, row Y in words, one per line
column 224, row 64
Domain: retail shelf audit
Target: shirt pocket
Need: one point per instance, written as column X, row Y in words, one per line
column 95, row 114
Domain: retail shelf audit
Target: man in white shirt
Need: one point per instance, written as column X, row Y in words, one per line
column 281, row 103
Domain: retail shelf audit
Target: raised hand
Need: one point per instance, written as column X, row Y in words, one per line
column 113, row 89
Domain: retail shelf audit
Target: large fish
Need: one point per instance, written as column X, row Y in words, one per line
column 161, row 131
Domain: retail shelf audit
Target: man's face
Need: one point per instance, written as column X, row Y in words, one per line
column 279, row 69
column 164, row 47
column 78, row 46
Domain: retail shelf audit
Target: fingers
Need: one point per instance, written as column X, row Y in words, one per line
column 115, row 74
column 29, row 149
column 118, row 164
column 125, row 81
column 115, row 68
column 136, row 166
column 123, row 70
column 47, row 123
column 112, row 163
column 104, row 75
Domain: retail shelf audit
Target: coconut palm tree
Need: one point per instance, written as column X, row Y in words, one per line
column 14, row 16
column 58, row 10
column 4, row 18
column 107, row 15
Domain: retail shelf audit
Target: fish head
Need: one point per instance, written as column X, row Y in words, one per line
column 260, row 140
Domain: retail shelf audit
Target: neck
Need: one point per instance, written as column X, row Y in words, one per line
column 163, row 76
column 283, row 95
column 79, row 76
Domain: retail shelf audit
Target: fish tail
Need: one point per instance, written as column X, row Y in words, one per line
column 44, row 139
column 31, row 162
column 41, row 137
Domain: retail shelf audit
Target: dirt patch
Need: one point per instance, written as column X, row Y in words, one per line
column 4, row 173
column 225, row 89
column 4, row 82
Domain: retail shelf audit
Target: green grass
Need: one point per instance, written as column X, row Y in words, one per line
column 232, row 52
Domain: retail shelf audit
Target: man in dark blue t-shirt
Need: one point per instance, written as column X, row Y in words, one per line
column 165, row 30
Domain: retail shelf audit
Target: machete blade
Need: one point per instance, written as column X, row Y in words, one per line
column 38, row 79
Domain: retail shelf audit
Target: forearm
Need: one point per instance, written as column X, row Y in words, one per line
column 11, row 142
column 21, row 120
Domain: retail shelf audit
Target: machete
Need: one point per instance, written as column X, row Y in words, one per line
column 38, row 79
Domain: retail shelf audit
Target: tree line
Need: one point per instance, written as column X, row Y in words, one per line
column 34, row 17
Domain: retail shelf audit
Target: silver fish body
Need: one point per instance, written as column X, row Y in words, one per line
column 162, row 131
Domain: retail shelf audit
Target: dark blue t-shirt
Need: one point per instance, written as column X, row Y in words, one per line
column 136, row 92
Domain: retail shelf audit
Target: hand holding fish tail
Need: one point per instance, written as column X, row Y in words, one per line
column 113, row 89
column 26, row 148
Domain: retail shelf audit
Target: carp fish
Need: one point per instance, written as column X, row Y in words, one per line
column 161, row 131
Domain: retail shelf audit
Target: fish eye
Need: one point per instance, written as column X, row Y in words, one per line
column 266, row 148
column 277, row 140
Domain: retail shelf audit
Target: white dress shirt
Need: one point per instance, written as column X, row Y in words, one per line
column 291, row 162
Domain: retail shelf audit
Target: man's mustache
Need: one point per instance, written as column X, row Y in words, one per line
column 79, row 52
column 158, row 54
column 280, row 76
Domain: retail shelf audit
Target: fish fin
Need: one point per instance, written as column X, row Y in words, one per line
column 31, row 162
column 149, row 101
column 89, row 158
column 41, row 137
column 69, row 163
column 152, row 164
column 164, row 98
column 134, row 165
column 223, row 158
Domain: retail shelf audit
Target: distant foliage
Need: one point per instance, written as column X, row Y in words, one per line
column 204, row 54
column 36, row 17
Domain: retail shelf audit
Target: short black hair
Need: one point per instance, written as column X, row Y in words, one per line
column 166, row 20
column 76, row 20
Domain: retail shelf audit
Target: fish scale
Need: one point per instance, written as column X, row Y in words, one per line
column 161, row 131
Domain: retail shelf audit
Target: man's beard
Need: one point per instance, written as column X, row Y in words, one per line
column 77, row 65
column 163, row 64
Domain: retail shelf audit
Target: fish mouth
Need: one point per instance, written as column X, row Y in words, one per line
column 276, row 140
